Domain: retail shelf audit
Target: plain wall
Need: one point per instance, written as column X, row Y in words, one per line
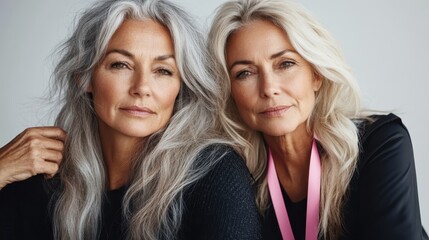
column 385, row 42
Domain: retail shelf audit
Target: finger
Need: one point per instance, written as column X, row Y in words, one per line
column 48, row 176
column 52, row 156
column 46, row 167
column 51, row 144
column 49, row 132
column 34, row 134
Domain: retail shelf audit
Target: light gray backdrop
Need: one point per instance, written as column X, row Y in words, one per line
column 385, row 42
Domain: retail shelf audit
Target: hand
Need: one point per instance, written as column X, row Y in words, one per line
column 37, row 150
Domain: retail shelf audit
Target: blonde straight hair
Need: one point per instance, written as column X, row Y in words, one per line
column 165, row 165
column 337, row 102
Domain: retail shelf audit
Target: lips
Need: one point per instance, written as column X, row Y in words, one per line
column 137, row 111
column 274, row 111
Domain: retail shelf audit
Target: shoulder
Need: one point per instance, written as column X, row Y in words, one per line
column 226, row 181
column 384, row 125
column 223, row 162
column 221, row 203
column 385, row 138
column 385, row 148
column 384, row 185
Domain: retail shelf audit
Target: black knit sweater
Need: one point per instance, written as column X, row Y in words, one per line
column 382, row 200
column 221, row 205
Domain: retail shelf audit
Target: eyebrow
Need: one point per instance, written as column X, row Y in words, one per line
column 121, row 51
column 241, row 62
column 273, row 56
column 130, row 55
column 281, row 53
column 164, row 57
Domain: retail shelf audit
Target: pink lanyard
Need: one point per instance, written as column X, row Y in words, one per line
column 313, row 197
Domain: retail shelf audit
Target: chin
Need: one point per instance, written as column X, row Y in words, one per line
column 138, row 132
column 278, row 131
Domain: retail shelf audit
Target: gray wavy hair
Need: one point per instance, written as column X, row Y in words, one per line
column 337, row 102
column 165, row 165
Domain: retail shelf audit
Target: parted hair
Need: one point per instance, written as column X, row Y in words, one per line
column 162, row 167
column 336, row 107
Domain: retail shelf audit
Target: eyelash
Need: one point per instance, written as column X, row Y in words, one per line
column 123, row 65
column 287, row 64
column 243, row 74
column 164, row 71
column 119, row 65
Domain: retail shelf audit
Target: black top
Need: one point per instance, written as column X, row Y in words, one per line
column 382, row 200
column 221, row 205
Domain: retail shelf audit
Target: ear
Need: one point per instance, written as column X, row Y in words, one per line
column 317, row 81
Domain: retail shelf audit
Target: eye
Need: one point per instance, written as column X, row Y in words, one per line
column 243, row 74
column 287, row 64
column 164, row 71
column 119, row 65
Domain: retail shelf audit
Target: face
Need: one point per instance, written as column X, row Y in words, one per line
column 135, row 85
column 272, row 85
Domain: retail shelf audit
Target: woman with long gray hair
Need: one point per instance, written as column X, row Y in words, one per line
column 145, row 156
column 324, row 168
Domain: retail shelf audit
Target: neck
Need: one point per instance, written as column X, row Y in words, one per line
column 291, row 155
column 118, row 151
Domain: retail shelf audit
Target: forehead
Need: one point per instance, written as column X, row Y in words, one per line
column 257, row 36
column 142, row 33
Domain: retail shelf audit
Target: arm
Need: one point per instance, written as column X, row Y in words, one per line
column 222, row 204
column 34, row 151
column 389, row 205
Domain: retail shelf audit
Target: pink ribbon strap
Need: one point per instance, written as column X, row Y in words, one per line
column 313, row 197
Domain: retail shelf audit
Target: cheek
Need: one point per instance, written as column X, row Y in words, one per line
column 245, row 103
column 107, row 93
column 167, row 96
column 104, row 94
column 307, row 100
column 242, row 96
column 302, row 89
column 104, row 86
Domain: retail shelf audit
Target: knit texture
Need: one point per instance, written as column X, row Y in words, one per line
column 221, row 205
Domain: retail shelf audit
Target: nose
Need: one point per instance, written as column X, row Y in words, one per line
column 140, row 84
column 268, row 86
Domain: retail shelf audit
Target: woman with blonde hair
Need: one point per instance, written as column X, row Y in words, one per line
column 145, row 156
column 324, row 169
